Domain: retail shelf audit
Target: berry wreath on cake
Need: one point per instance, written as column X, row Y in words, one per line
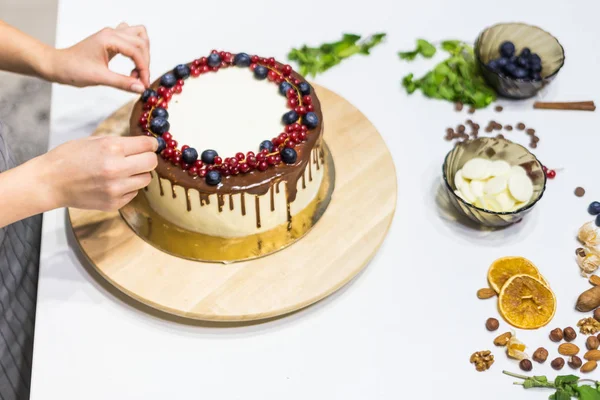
column 219, row 173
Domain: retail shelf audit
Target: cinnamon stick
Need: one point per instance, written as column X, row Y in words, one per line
column 573, row 105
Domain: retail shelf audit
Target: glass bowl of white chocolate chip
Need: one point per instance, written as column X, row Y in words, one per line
column 493, row 181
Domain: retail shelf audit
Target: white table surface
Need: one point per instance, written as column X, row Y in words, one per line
column 405, row 328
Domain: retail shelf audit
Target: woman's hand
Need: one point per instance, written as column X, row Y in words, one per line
column 86, row 63
column 101, row 173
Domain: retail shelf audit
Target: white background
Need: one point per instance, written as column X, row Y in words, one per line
column 405, row 328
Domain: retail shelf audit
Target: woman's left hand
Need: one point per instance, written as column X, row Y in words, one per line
column 86, row 63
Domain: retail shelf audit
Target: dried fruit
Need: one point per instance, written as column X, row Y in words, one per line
column 556, row 335
column 540, row 355
column 516, row 349
column 503, row 339
column 592, row 355
column 595, row 280
column 588, row 326
column 558, row 363
column 568, row 349
column 588, row 262
column 492, row 324
column 588, row 234
column 589, row 366
column 575, row 362
column 485, row 293
column 504, row 268
column 589, row 300
column 569, row 334
column 592, row 343
column 483, row 360
column 526, row 303
column 525, row 365
column 597, row 314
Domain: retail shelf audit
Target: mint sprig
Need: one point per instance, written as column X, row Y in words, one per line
column 565, row 386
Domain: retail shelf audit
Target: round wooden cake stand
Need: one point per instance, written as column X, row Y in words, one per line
column 337, row 248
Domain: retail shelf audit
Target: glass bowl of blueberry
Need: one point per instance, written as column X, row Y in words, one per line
column 517, row 59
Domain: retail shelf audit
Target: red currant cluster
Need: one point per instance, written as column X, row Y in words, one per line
column 298, row 121
column 550, row 173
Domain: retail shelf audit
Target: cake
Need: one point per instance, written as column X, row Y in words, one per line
column 240, row 144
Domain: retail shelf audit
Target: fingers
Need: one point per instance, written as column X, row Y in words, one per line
column 138, row 144
column 143, row 41
column 140, row 163
column 135, row 183
column 142, row 46
column 116, row 43
column 125, row 199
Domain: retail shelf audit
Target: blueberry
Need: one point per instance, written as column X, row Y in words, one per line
column 160, row 112
column 213, row 178
column 241, row 60
column 535, row 67
column 159, row 125
column 523, row 62
column 147, row 94
column 289, row 117
column 284, row 87
column 182, row 71
column 535, row 59
column 161, row 145
column 189, row 155
column 168, row 80
column 507, row 49
column 598, row 220
column 289, row 156
column 509, row 69
column 493, row 65
column 310, row 120
column 266, row 144
column 208, row 156
column 536, row 76
column 594, row 208
column 214, row 60
column 525, row 52
column 304, row 88
column 520, row 73
column 260, row 72
column 502, row 61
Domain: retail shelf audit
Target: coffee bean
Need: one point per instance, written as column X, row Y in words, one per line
column 460, row 128
column 458, row 106
column 498, row 127
column 533, row 145
column 476, row 126
column 508, row 127
column 520, row 126
column 535, row 139
column 471, row 110
column 579, row 191
column 469, row 122
column 530, row 131
column 489, row 129
column 500, row 136
column 450, row 131
column 499, row 108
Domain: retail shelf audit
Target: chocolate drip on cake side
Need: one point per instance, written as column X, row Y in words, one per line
column 162, row 192
column 230, row 202
column 187, row 199
column 204, row 199
column 272, row 192
column 243, row 201
column 173, row 190
column 257, row 207
column 221, row 202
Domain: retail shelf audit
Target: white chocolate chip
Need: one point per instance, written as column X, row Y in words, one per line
column 499, row 167
column 517, row 169
column 459, row 180
column 466, row 194
column 476, row 168
column 477, row 188
column 496, row 185
column 506, row 201
column 520, row 187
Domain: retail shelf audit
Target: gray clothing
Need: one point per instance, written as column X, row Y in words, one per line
column 19, row 262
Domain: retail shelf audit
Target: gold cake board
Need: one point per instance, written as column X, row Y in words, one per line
column 333, row 252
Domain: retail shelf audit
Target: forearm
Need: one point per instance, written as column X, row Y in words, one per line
column 24, row 191
column 23, row 54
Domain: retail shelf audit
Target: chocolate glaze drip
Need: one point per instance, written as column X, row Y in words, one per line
column 257, row 206
column 310, row 172
column 231, row 202
column 243, row 200
column 254, row 182
column 187, row 199
column 173, row 190
column 162, row 192
column 221, row 202
column 317, row 159
column 277, row 187
column 289, row 217
column 303, row 181
column 272, row 192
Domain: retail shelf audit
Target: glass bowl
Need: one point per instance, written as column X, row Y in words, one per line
column 487, row 47
column 493, row 149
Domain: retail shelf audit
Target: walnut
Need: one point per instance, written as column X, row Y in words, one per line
column 483, row 360
column 588, row 326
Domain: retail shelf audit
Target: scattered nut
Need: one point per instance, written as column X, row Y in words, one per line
column 592, row 355
column 590, row 299
column 568, row 349
column 558, row 363
column 592, row 343
column 485, row 293
column 569, row 334
column 588, row 326
column 575, row 362
column 503, row 339
column 597, row 313
column 540, row 355
column 589, row 366
column 594, row 279
column 556, row 335
column 525, row 365
column 483, row 360
column 492, row 324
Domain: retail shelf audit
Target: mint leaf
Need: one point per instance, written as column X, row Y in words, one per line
column 587, row 392
column 565, row 379
column 424, row 48
column 560, row 395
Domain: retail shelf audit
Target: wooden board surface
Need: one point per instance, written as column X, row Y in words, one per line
column 329, row 256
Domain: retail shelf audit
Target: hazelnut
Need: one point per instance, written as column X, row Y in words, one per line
column 540, row 355
column 592, row 343
column 569, row 334
column 558, row 363
column 575, row 362
column 525, row 365
column 556, row 335
column 597, row 314
column 492, row 324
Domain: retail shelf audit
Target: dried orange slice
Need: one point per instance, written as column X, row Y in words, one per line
column 526, row 303
column 503, row 268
